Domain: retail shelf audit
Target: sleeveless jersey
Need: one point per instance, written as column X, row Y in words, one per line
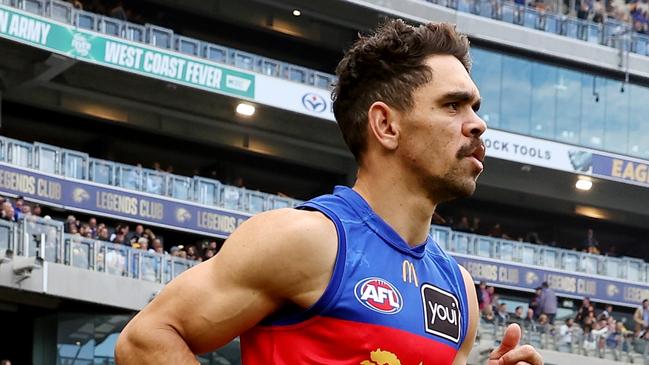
column 386, row 303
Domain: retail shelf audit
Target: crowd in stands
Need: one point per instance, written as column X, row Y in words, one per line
column 590, row 244
column 140, row 237
column 591, row 329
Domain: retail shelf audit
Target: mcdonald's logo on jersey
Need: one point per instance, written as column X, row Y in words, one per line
column 408, row 273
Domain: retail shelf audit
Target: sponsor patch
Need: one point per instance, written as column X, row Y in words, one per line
column 441, row 313
column 378, row 295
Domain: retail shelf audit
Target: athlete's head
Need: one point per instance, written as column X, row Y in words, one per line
column 404, row 98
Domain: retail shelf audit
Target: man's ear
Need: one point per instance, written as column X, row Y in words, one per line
column 384, row 125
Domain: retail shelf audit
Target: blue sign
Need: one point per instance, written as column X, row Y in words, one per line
column 573, row 285
column 118, row 203
column 626, row 170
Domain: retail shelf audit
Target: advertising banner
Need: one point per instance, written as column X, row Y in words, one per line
column 572, row 285
column 118, row 203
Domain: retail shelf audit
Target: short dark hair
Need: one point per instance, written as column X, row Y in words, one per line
column 388, row 66
column 545, row 284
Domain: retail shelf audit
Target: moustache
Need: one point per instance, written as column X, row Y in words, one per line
column 468, row 149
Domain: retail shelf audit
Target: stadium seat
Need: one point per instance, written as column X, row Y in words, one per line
column 46, row 158
column 85, row 19
column 187, row 45
column 159, row 36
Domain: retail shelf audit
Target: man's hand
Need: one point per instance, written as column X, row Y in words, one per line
column 508, row 354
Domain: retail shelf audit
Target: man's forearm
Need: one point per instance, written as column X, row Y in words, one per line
column 154, row 346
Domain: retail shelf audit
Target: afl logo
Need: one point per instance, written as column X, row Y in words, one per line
column 314, row 103
column 378, row 295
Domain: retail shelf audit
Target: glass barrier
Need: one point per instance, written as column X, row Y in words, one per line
column 589, row 264
column 128, row 176
column 46, row 158
column 154, row 181
column 85, row 20
column 135, row 32
column 550, row 257
column 79, row 251
column 570, row 261
column 462, row 243
column 232, row 197
column 113, row 259
column 528, row 254
column 506, row 251
column 278, row 202
column 485, row 246
column 441, row 235
column 42, row 238
column 188, row 46
column 111, row 26
column 180, row 187
column 159, row 36
column 207, row 191
column 633, row 269
column 74, row 164
column 102, row 172
column 19, row 153
column 60, row 11
column 7, row 235
column 255, row 201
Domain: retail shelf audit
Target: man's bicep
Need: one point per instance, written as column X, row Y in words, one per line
column 474, row 319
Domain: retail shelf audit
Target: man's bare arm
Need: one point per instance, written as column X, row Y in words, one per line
column 274, row 258
column 474, row 319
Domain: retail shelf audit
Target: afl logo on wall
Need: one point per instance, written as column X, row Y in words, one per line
column 314, row 103
column 378, row 295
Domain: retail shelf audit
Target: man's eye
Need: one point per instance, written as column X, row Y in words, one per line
column 453, row 106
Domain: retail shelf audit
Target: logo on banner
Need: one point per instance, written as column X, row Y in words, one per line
column 441, row 313
column 531, row 278
column 183, row 215
column 378, row 295
column 79, row 195
column 81, row 45
column 612, row 290
column 314, row 103
column 581, row 161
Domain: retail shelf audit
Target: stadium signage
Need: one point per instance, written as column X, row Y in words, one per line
column 124, row 55
column 118, row 203
column 567, row 284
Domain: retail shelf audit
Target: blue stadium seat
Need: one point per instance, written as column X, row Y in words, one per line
column 85, row 19
column 187, row 45
column 111, row 26
column 46, row 158
column 159, row 36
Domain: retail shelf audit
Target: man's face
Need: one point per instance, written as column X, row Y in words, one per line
column 440, row 137
column 645, row 304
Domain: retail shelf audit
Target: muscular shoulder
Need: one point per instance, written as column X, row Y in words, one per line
column 288, row 251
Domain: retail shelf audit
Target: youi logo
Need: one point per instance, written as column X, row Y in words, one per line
column 314, row 103
column 378, row 295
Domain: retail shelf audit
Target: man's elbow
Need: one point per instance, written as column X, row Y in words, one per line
column 127, row 346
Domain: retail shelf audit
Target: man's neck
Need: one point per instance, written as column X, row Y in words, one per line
column 407, row 211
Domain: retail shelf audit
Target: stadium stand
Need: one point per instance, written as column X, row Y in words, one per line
column 76, row 263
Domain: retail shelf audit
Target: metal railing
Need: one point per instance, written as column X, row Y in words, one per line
column 44, row 238
column 611, row 33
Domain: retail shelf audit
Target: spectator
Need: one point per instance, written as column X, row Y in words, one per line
column 599, row 11
column 119, row 237
column 157, row 246
column 518, row 312
column 175, row 251
column 502, row 315
column 37, row 210
column 487, row 300
column 533, row 237
column 5, row 362
column 582, row 312
column 92, row 222
column 102, row 234
column 548, row 302
column 136, row 234
column 475, row 226
column 208, row 253
column 192, row 253
column 463, row 225
column 26, row 210
column 142, row 244
column 590, row 322
column 496, row 231
column 148, row 233
column 534, row 303
column 85, row 230
column 591, row 243
column 482, row 294
column 606, row 313
column 566, row 332
column 118, row 12
column 8, row 213
column 641, row 317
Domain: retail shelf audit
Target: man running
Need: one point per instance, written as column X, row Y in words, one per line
column 352, row 277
